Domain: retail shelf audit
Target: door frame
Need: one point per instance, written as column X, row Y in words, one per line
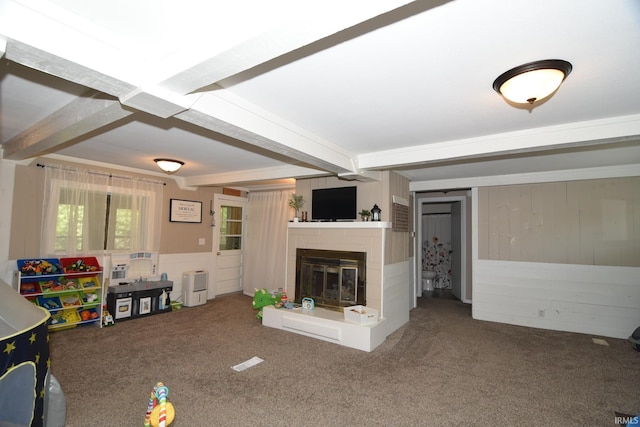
column 465, row 239
column 218, row 199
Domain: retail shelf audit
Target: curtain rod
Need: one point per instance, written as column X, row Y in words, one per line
column 69, row 168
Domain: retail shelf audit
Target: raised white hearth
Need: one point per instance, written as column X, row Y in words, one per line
column 387, row 284
column 326, row 325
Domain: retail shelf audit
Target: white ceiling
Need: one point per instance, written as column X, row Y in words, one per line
column 251, row 91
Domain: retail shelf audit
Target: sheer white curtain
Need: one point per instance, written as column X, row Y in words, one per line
column 265, row 255
column 79, row 202
column 79, row 199
column 138, row 203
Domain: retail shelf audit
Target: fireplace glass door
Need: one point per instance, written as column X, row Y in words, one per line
column 333, row 285
column 330, row 280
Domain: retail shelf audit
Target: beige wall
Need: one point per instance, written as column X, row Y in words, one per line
column 591, row 222
column 397, row 244
column 27, row 213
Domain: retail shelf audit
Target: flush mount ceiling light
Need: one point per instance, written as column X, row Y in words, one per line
column 532, row 82
column 168, row 165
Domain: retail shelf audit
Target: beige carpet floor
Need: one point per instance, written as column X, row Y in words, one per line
column 441, row 369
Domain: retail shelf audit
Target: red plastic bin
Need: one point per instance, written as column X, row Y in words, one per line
column 76, row 265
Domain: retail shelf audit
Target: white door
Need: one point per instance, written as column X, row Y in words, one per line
column 228, row 233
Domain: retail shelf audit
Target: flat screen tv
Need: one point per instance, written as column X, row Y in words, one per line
column 334, row 204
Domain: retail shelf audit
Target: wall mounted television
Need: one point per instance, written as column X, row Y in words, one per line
column 334, row 204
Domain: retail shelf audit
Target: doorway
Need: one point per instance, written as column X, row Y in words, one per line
column 443, row 241
column 228, row 234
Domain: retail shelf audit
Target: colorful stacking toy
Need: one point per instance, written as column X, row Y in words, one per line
column 160, row 413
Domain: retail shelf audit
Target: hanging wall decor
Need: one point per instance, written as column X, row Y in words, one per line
column 185, row 211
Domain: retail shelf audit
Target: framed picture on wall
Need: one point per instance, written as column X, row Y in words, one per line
column 185, row 211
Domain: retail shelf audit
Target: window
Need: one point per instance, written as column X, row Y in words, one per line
column 64, row 223
column 89, row 212
column 230, row 228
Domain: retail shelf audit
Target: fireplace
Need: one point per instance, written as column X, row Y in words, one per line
column 332, row 279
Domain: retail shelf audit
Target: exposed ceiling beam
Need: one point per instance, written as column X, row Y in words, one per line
column 252, row 175
column 47, row 62
column 217, row 111
column 582, row 133
column 85, row 114
column 305, row 27
column 620, row 171
column 229, row 115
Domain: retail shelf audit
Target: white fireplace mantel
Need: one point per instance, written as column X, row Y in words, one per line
column 341, row 224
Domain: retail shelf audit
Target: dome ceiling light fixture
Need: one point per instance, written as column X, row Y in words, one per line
column 533, row 81
column 169, row 165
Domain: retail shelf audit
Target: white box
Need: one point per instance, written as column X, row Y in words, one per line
column 360, row 314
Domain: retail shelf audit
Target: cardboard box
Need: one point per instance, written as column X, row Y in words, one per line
column 360, row 314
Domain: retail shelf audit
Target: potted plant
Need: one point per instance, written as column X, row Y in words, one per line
column 365, row 214
column 296, row 202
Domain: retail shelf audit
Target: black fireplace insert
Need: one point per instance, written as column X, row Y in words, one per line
column 333, row 279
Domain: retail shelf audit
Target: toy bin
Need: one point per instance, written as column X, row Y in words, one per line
column 360, row 314
column 88, row 315
column 71, row 283
column 30, row 287
column 89, row 282
column 33, row 300
column 50, row 303
column 64, row 319
column 38, row 267
column 78, row 265
column 90, row 298
column 54, row 284
column 72, row 299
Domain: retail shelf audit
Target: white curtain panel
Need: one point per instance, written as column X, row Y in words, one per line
column 75, row 212
column 266, row 242
column 140, row 201
column 73, row 194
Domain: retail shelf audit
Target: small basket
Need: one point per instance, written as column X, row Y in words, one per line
column 360, row 314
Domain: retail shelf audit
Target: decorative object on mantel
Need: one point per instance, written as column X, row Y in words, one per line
column 365, row 214
column 296, row 202
column 375, row 213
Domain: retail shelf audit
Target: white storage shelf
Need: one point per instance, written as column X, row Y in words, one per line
column 66, row 295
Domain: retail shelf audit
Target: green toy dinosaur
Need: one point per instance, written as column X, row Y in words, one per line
column 263, row 298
